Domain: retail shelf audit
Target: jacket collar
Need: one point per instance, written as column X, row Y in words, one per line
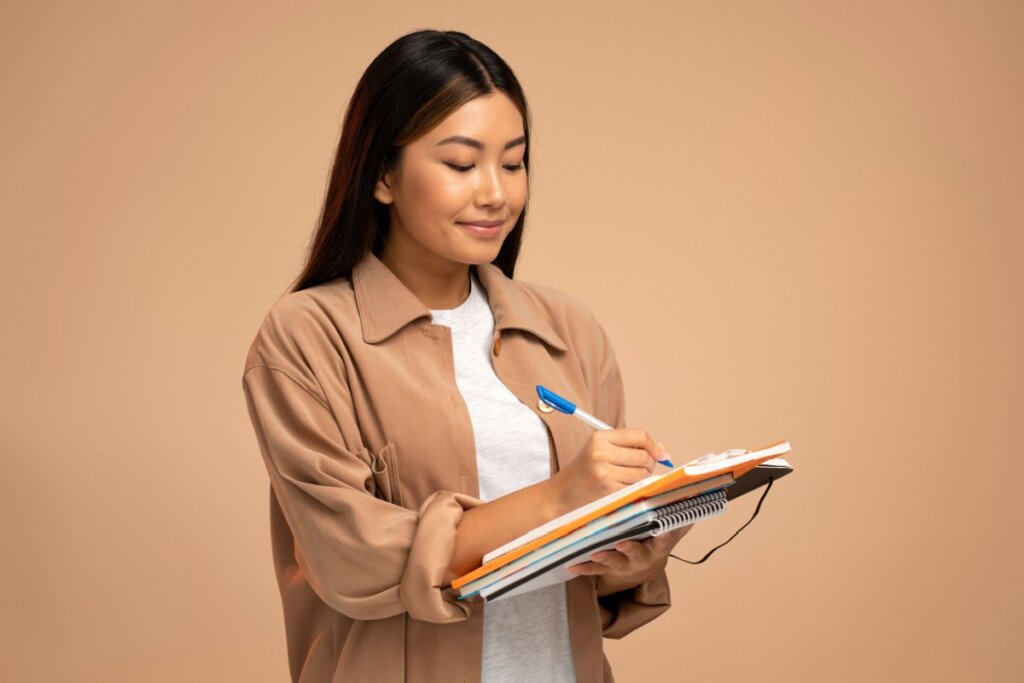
column 386, row 305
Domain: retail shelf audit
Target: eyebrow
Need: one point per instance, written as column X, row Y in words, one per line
column 479, row 145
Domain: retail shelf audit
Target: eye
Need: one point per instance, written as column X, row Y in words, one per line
column 464, row 169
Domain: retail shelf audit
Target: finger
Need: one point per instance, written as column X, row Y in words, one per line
column 632, row 457
column 664, row 543
column 638, row 442
column 652, row 448
column 591, row 568
column 617, row 561
column 631, row 438
column 661, row 544
column 636, row 552
column 627, row 475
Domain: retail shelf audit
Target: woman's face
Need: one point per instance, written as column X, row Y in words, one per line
column 469, row 168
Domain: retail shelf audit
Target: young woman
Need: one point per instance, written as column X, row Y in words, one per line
column 392, row 392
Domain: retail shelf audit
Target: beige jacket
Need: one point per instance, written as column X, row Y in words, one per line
column 371, row 457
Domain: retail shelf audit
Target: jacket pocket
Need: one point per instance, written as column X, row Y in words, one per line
column 384, row 466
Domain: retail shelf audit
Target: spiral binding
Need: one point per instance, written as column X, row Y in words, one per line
column 689, row 511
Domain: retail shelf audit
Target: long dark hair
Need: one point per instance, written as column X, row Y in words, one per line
column 409, row 88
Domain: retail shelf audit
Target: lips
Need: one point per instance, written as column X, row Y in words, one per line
column 482, row 224
column 483, row 229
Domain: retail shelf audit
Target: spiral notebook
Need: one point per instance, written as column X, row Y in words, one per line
column 618, row 517
column 553, row 567
column 735, row 462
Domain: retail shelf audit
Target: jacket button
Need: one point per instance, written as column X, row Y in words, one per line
column 497, row 346
column 543, row 406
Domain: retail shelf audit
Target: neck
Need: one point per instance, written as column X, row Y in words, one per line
column 439, row 286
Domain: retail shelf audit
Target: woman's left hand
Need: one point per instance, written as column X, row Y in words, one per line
column 632, row 562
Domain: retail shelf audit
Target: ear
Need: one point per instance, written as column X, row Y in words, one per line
column 382, row 192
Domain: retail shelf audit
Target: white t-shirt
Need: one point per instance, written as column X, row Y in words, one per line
column 526, row 637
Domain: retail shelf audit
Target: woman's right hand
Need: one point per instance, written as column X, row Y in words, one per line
column 609, row 460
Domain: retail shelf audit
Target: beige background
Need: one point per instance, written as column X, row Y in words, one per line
column 822, row 201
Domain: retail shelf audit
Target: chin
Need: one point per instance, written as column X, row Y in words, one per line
column 479, row 253
column 479, row 260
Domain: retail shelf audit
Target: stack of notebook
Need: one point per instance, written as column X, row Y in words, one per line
column 695, row 491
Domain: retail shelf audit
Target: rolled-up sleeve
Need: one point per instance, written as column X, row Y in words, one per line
column 624, row 611
column 365, row 557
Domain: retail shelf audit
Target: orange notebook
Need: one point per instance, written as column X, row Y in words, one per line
column 736, row 462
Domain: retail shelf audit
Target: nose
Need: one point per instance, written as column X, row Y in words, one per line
column 491, row 190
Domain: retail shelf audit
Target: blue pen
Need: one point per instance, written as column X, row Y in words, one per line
column 570, row 408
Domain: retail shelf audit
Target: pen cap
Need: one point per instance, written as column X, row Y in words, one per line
column 556, row 401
